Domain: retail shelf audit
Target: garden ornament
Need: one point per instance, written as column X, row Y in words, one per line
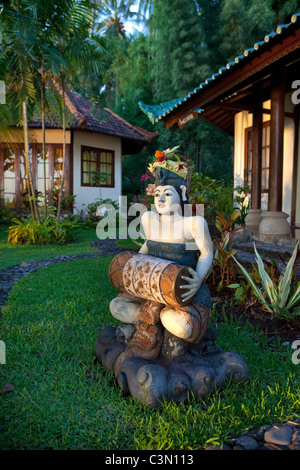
column 164, row 349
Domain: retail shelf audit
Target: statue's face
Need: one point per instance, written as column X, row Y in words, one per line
column 166, row 200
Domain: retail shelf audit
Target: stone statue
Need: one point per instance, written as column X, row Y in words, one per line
column 164, row 348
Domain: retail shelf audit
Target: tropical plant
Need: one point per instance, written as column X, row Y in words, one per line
column 48, row 231
column 227, row 224
column 19, row 31
column 113, row 15
column 67, row 202
column 242, row 201
column 223, row 270
column 5, row 213
column 276, row 297
column 92, row 207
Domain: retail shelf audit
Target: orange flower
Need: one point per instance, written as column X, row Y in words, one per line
column 158, row 154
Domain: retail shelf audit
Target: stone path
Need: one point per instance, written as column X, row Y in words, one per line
column 284, row 436
column 11, row 274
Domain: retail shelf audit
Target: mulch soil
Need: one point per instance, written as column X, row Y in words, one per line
column 288, row 330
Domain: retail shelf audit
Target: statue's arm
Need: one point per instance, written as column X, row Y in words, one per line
column 199, row 231
column 203, row 241
column 145, row 224
column 144, row 249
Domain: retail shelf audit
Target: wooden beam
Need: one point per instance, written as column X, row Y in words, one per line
column 295, row 166
column 50, row 150
column 276, row 140
column 17, row 179
column 233, row 106
column 257, row 125
column 1, row 170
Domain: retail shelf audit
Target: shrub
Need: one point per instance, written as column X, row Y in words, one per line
column 218, row 198
column 5, row 213
column 91, row 208
column 67, row 203
column 48, row 231
column 275, row 295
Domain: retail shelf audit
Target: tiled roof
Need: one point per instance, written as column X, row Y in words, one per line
column 102, row 120
column 156, row 112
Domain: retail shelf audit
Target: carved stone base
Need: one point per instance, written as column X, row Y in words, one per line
column 180, row 371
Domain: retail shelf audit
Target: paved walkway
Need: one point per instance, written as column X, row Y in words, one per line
column 11, row 274
column 284, row 436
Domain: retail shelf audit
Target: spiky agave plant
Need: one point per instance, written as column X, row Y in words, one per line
column 276, row 297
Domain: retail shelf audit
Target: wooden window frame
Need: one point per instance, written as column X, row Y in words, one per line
column 98, row 152
column 263, row 148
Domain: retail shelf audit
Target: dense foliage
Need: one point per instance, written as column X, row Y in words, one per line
column 174, row 46
column 181, row 45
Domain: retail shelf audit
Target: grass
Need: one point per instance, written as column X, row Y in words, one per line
column 15, row 254
column 63, row 399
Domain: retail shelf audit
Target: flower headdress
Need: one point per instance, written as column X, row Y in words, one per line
column 168, row 160
column 168, row 169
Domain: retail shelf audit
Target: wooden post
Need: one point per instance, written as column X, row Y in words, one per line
column 50, row 149
column 295, row 167
column 67, row 171
column 256, row 148
column 276, row 140
column 17, row 179
column 1, row 171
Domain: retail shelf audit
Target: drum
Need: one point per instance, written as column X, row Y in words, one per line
column 149, row 277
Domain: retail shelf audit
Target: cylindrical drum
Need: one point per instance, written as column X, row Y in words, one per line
column 149, row 277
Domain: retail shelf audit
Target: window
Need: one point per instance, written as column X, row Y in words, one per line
column 97, row 167
column 9, row 177
column 58, row 166
column 265, row 157
column 24, row 199
column 13, row 173
column 40, row 170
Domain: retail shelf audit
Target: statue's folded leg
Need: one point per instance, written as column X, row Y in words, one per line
column 189, row 322
column 148, row 337
column 125, row 307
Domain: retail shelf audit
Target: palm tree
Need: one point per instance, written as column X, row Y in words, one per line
column 80, row 49
column 50, row 14
column 45, row 42
column 113, row 15
column 19, row 31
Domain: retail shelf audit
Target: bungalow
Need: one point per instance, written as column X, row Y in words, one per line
column 95, row 143
column 256, row 99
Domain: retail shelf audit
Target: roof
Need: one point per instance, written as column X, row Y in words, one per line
column 162, row 111
column 87, row 117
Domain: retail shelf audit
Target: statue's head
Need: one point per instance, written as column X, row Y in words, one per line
column 170, row 182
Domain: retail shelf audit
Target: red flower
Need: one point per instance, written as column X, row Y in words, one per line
column 145, row 176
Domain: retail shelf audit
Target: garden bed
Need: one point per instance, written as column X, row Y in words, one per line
column 287, row 330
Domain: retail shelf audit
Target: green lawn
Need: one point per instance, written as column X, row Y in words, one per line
column 63, row 400
column 14, row 254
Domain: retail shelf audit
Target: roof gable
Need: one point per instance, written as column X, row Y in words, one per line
column 182, row 110
column 86, row 117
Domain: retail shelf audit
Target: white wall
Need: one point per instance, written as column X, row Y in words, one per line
column 244, row 120
column 84, row 194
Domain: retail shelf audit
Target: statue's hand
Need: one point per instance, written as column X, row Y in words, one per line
column 193, row 285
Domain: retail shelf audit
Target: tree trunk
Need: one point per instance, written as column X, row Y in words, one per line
column 44, row 140
column 59, row 203
column 31, row 189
